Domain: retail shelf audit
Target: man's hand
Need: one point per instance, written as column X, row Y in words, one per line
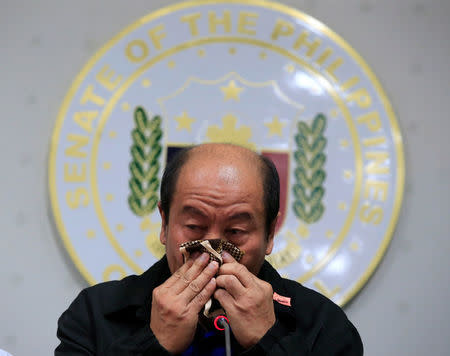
column 177, row 302
column 247, row 300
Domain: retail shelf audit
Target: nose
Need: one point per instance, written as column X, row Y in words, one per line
column 212, row 235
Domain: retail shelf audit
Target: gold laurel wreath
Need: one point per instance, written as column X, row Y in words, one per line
column 144, row 167
column 309, row 174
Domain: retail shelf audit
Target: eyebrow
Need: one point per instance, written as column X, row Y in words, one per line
column 192, row 210
column 241, row 216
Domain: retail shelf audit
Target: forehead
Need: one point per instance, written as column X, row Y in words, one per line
column 223, row 169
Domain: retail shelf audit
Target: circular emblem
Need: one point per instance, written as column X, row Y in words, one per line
column 254, row 73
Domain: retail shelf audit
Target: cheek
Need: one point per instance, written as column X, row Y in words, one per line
column 175, row 259
column 254, row 255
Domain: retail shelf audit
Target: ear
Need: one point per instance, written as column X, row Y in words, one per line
column 162, row 233
column 271, row 234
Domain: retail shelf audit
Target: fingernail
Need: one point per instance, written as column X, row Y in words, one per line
column 212, row 281
column 204, row 257
column 213, row 265
column 225, row 254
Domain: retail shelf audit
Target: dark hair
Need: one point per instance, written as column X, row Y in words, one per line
column 271, row 184
column 271, row 187
column 170, row 178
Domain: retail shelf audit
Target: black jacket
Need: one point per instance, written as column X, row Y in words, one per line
column 113, row 318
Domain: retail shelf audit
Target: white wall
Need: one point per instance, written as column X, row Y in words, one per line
column 403, row 310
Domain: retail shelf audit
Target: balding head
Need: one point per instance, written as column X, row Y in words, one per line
column 228, row 160
column 223, row 150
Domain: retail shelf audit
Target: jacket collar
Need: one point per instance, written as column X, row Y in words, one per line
column 270, row 275
column 132, row 296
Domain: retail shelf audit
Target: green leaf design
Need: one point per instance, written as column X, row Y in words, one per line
column 144, row 166
column 317, row 162
column 309, row 173
column 318, row 125
column 317, row 179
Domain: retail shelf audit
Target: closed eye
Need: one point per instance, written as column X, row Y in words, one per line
column 195, row 228
column 235, row 232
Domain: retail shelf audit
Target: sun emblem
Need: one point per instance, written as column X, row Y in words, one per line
column 230, row 133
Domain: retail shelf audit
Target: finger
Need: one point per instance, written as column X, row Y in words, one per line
column 227, row 258
column 225, row 299
column 198, row 284
column 197, row 267
column 199, row 301
column 231, row 284
column 184, row 279
column 178, row 273
column 239, row 270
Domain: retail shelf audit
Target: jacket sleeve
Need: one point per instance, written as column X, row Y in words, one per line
column 74, row 330
column 346, row 343
column 78, row 333
column 279, row 341
column 141, row 342
column 335, row 336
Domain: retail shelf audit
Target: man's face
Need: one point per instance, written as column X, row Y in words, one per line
column 218, row 198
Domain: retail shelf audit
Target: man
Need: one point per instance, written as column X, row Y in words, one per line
column 208, row 192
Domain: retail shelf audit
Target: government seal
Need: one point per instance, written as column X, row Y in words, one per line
column 253, row 73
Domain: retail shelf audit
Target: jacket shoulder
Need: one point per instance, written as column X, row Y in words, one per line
column 314, row 306
column 132, row 290
column 317, row 320
column 105, row 290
